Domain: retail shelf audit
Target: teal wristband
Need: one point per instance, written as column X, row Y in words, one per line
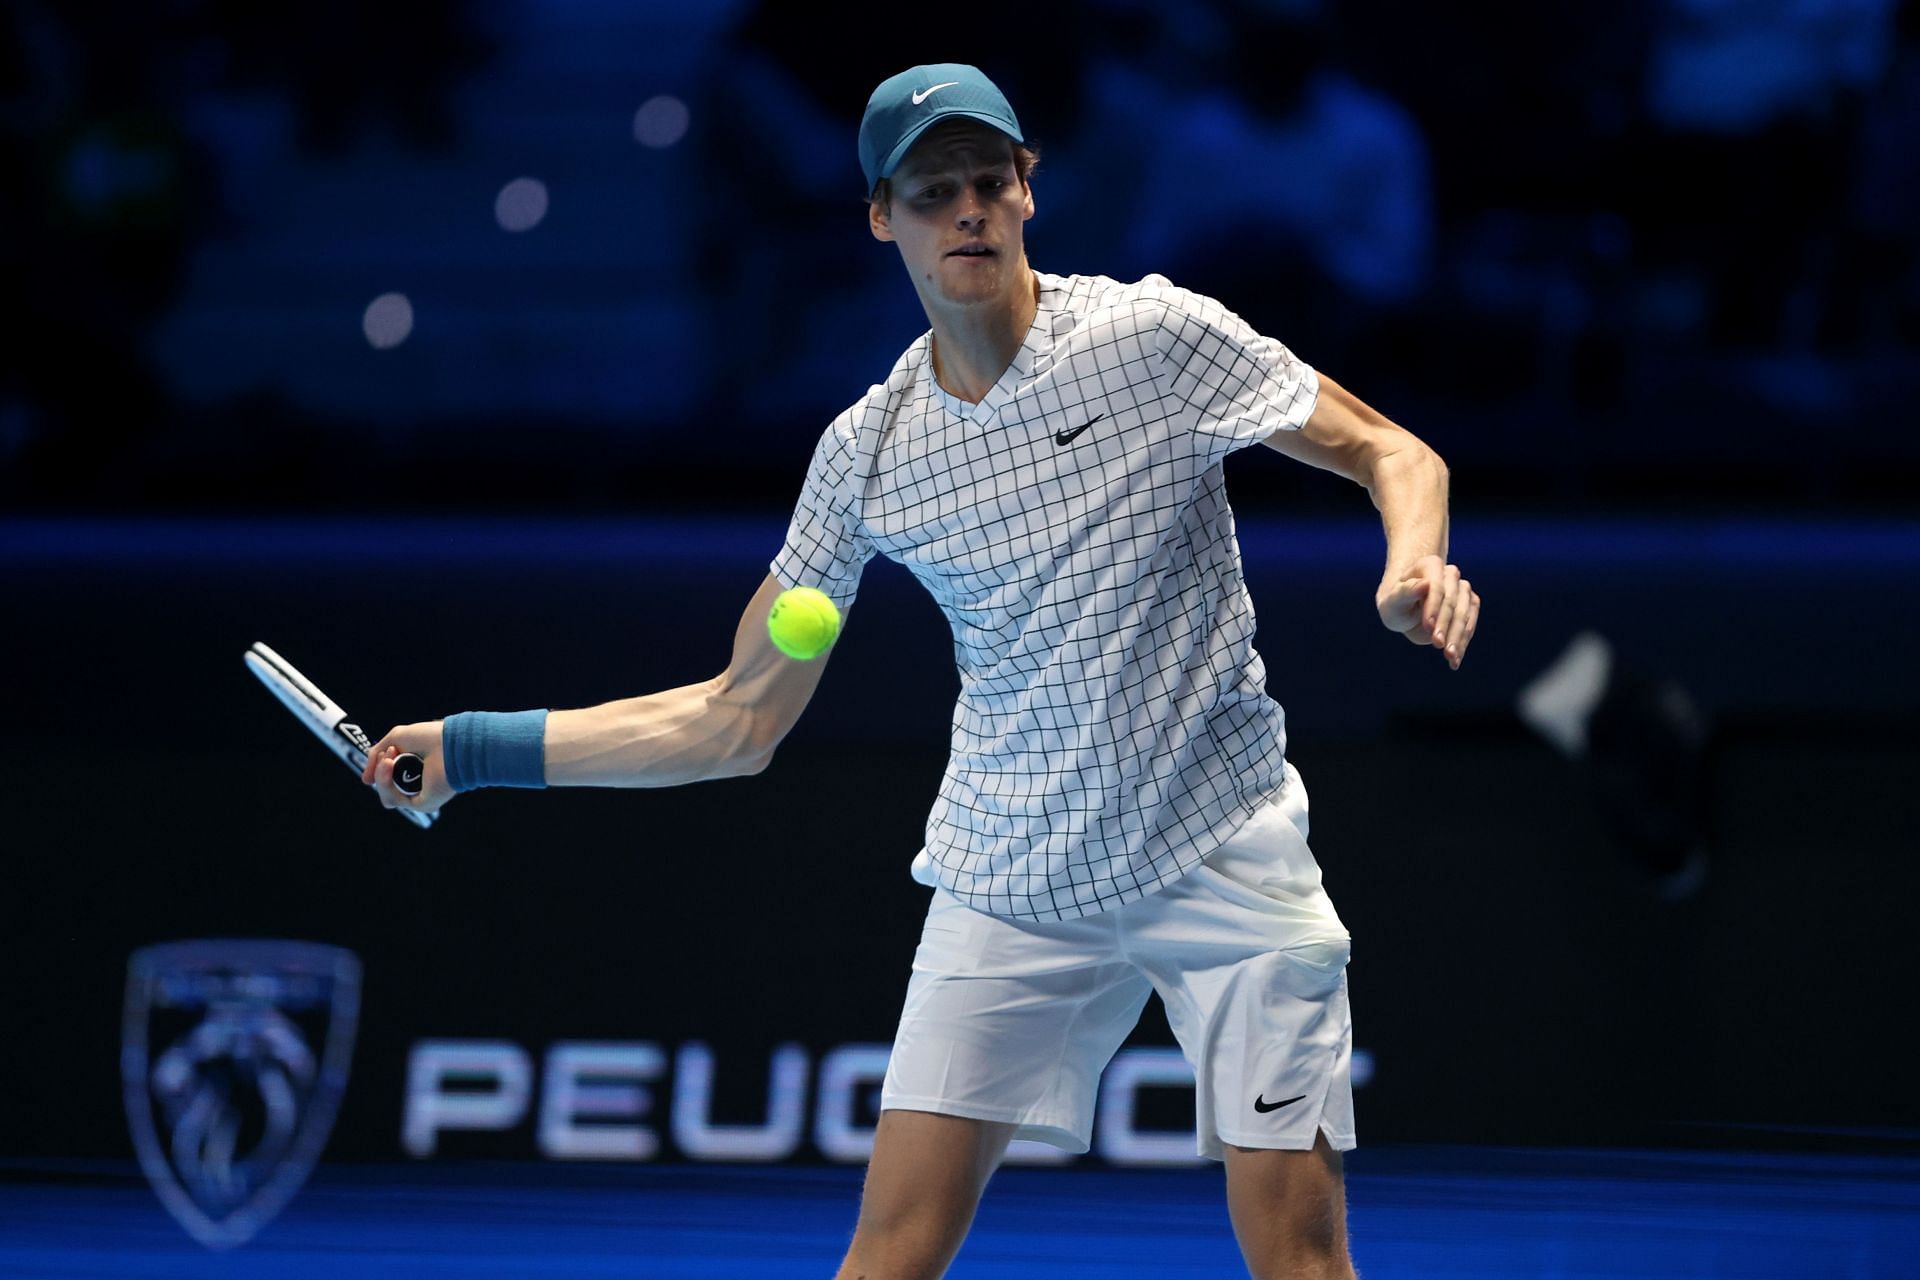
column 495, row 749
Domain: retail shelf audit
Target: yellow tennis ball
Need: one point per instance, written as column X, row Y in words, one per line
column 803, row 623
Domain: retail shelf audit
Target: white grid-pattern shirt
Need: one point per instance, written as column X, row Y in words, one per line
column 1113, row 725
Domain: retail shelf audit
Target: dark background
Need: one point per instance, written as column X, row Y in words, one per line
column 1644, row 274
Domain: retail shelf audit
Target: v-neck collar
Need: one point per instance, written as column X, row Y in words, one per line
column 1038, row 341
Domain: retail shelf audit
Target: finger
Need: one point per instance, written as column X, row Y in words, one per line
column 1401, row 605
column 380, row 748
column 1457, row 626
column 1401, row 610
column 383, row 781
column 1440, row 617
column 1466, row 636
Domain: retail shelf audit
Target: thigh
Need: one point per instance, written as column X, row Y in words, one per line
column 924, row 1162
column 1250, row 959
column 1270, row 1040
column 1012, row 1021
column 923, row 1184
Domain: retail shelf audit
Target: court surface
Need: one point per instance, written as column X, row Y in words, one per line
column 1427, row 1212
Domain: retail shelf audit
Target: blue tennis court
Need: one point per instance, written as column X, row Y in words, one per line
column 1418, row 1212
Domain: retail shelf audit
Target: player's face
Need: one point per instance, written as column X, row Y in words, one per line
column 958, row 215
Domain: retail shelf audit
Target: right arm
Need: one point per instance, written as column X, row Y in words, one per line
column 720, row 728
column 725, row 727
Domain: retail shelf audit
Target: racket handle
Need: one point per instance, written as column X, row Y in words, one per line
column 408, row 770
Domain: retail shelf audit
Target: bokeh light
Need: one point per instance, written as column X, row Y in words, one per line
column 661, row 121
column 521, row 204
column 388, row 320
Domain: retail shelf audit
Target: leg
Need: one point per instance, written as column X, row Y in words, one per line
column 1250, row 959
column 1289, row 1211
column 923, row 1183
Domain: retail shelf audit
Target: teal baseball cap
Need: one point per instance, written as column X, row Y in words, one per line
column 907, row 105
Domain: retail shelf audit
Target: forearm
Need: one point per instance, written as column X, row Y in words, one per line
column 690, row 734
column 1409, row 486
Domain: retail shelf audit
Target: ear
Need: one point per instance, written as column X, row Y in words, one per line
column 1028, row 214
column 878, row 221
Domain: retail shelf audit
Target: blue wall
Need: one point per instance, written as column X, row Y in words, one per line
column 1515, row 976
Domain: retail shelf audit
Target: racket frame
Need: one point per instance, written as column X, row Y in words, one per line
column 324, row 717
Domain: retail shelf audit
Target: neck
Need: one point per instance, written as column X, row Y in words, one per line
column 973, row 345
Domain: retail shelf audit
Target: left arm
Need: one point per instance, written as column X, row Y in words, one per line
column 1420, row 595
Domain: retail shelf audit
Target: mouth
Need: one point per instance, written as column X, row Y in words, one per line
column 971, row 251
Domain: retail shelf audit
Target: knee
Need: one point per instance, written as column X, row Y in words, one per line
column 931, row 1220
column 903, row 1237
column 1313, row 1233
column 1291, row 1223
column 1304, row 1247
column 906, row 1245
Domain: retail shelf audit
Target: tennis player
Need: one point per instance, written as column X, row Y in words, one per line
column 1118, row 815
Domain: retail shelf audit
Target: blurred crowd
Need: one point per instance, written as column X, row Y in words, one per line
column 1561, row 232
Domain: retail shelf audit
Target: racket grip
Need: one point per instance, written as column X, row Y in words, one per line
column 408, row 771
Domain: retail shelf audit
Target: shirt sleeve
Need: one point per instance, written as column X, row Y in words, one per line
column 825, row 547
column 1241, row 385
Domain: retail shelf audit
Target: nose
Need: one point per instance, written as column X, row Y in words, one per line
column 972, row 211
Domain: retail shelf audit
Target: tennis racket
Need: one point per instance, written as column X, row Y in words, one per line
column 329, row 723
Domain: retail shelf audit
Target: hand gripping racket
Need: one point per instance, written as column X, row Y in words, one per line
column 329, row 723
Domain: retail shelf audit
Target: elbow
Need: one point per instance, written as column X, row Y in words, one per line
column 1419, row 452
column 747, row 764
column 755, row 750
column 1416, row 453
column 1412, row 457
column 746, row 743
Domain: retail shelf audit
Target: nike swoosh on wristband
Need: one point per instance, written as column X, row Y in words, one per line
column 922, row 95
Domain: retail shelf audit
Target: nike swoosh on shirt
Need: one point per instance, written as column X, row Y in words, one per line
column 922, row 95
column 1064, row 436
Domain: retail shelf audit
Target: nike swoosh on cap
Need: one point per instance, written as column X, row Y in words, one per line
column 921, row 95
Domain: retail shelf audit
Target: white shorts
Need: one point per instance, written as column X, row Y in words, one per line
column 1014, row 1020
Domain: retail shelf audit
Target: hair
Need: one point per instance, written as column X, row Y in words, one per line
column 1026, row 158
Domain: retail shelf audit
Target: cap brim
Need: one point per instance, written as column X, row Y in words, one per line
column 911, row 136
